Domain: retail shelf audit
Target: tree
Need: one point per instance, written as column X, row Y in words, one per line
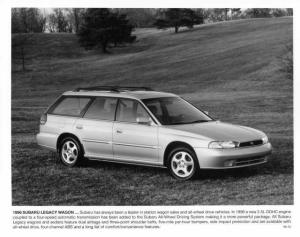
column 226, row 10
column 235, row 13
column 222, row 14
column 20, row 44
column 77, row 14
column 27, row 20
column 258, row 12
column 51, row 19
column 202, row 13
column 101, row 27
column 289, row 11
column 278, row 12
column 61, row 21
column 217, row 14
column 15, row 21
column 178, row 17
column 73, row 17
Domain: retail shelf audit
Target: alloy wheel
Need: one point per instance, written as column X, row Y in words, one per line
column 69, row 152
column 182, row 164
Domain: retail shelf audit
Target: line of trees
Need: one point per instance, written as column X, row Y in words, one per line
column 179, row 17
column 65, row 19
column 27, row 20
column 34, row 20
column 268, row 12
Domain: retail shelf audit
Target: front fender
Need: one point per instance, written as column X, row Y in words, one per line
column 167, row 136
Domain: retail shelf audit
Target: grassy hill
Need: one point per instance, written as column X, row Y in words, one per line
column 231, row 69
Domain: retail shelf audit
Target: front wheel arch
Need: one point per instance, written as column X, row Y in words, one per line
column 174, row 145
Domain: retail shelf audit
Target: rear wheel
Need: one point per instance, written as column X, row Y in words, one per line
column 70, row 152
column 182, row 163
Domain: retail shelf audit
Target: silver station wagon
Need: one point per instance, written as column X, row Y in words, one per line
column 137, row 125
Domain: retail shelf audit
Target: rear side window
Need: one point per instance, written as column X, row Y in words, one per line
column 102, row 108
column 71, row 106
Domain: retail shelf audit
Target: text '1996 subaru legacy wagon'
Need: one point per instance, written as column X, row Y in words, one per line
column 137, row 125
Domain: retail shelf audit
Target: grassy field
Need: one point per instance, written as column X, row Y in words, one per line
column 230, row 69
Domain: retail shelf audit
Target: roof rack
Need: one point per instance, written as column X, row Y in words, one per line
column 113, row 88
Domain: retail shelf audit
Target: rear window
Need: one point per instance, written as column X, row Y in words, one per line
column 71, row 106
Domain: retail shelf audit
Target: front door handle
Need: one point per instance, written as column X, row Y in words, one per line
column 119, row 131
column 79, row 126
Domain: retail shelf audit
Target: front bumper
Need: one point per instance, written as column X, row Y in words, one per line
column 233, row 158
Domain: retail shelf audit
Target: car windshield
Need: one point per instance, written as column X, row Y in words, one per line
column 175, row 110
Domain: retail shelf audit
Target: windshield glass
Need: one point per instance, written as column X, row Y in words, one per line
column 175, row 110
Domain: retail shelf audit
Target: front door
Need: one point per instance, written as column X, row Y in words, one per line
column 132, row 140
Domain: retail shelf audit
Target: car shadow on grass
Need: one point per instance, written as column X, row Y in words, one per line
column 271, row 168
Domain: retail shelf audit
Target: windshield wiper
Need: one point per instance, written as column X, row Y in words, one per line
column 196, row 121
column 200, row 121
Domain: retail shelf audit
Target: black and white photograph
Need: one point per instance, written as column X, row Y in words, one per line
column 151, row 106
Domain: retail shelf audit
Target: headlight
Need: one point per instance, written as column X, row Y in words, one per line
column 222, row 145
column 265, row 139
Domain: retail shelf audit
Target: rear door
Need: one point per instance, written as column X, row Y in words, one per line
column 133, row 141
column 95, row 127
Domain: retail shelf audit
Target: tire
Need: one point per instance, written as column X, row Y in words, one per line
column 182, row 163
column 70, row 152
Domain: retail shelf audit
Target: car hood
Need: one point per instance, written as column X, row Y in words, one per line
column 220, row 131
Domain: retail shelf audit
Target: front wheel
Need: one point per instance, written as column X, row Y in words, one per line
column 182, row 163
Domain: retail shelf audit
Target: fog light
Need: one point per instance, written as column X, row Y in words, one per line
column 229, row 163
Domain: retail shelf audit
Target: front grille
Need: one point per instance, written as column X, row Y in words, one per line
column 251, row 143
column 249, row 161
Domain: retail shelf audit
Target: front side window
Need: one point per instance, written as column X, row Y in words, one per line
column 130, row 111
column 102, row 109
column 175, row 110
column 71, row 106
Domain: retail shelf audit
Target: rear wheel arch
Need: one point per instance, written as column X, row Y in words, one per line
column 175, row 144
column 63, row 136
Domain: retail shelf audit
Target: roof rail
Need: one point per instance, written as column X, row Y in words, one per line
column 113, row 88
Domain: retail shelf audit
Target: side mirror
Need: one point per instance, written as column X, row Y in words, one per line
column 144, row 121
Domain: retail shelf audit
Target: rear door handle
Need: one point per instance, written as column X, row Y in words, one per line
column 79, row 126
column 119, row 131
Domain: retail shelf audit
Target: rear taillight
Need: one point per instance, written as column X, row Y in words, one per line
column 43, row 119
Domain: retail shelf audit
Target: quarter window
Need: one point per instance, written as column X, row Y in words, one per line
column 102, row 108
column 71, row 106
